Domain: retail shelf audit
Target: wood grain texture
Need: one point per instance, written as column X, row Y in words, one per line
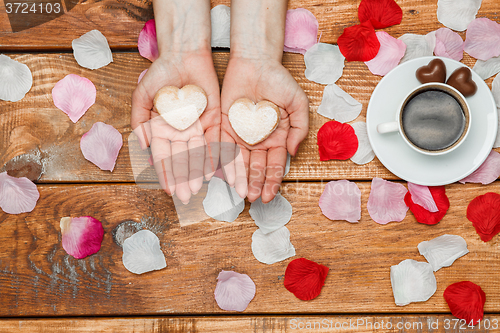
column 38, row 278
column 121, row 21
column 247, row 324
column 34, row 123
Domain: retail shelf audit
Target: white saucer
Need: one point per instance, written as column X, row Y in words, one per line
column 415, row 167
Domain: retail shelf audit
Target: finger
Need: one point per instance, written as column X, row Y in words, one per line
column 299, row 121
column 256, row 175
column 162, row 157
column 196, row 147
column 142, row 103
column 180, row 166
column 241, row 163
column 227, row 154
column 212, row 138
column 275, row 170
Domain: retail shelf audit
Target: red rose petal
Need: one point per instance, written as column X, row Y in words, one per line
column 359, row 42
column 305, row 278
column 381, row 13
column 423, row 215
column 336, row 141
column 466, row 301
column 484, row 213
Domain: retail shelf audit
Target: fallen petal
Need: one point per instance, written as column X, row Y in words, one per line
column 359, row 42
column 287, row 166
column 381, row 13
column 412, row 281
column 74, row 95
column 142, row 75
column 101, row 145
column 483, row 213
column 449, row 44
column 339, row 105
column 16, row 79
column 487, row 173
column 390, row 54
column 301, row 30
column 222, row 201
column 221, row 19
column 442, row 251
column 482, row 39
column 466, row 301
column 17, row 195
column 272, row 247
column 421, row 195
column 457, row 14
column 81, row 236
column 324, row 63
column 423, row 215
column 271, row 216
column 305, row 278
column 386, row 201
column 488, row 68
column 341, row 200
column 142, row 253
column 234, row 291
column 418, row 45
column 336, row 141
column 147, row 44
column 365, row 153
column 91, row 50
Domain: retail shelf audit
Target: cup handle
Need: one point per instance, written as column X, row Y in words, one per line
column 388, row 127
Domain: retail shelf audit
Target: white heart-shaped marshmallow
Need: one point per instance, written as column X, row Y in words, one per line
column 253, row 122
column 180, row 107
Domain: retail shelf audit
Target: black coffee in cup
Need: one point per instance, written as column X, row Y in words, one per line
column 432, row 119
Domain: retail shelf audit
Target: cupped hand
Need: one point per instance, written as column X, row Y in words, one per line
column 181, row 158
column 257, row 171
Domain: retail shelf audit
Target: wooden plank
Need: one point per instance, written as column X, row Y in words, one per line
column 38, row 278
column 253, row 324
column 121, row 21
column 35, row 123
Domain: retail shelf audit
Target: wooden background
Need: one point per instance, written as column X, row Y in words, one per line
column 38, row 279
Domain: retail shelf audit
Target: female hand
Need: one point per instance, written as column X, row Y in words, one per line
column 255, row 72
column 181, row 158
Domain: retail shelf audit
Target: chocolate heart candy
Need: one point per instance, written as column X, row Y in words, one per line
column 461, row 79
column 435, row 71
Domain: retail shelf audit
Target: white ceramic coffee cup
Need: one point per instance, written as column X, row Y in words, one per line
column 397, row 126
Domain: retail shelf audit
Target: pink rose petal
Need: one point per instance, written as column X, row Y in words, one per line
column 101, row 145
column 301, row 30
column 390, row 53
column 142, row 75
column 487, row 173
column 449, row 44
column 421, row 195
column 17, row 195
column 341, row 200
column 386, row 202
column 234, row 291
column 147, row 44
column 74, row 95
column 483, row 39
column 81, row 236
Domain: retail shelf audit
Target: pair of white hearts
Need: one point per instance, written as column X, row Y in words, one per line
column 180, row 108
